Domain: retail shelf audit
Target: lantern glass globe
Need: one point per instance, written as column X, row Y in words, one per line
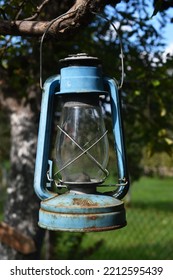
column 78, row 150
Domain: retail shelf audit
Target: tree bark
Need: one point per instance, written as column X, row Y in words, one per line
column 22, row 205
column 79, row 14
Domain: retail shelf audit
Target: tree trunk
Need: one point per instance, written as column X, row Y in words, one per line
column 21, row 210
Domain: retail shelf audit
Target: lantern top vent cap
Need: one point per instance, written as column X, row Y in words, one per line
column 79, row 59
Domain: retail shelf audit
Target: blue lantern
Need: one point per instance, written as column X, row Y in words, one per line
column 81, row 151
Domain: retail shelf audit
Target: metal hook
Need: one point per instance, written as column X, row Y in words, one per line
column 59, row 17
column 41, row 43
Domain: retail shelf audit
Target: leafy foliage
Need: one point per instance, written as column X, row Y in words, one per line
column 162, row 5
column 146, row 92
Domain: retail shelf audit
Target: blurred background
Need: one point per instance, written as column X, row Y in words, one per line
column 147, row 39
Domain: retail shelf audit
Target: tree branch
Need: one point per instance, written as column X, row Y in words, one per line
column 77, row 15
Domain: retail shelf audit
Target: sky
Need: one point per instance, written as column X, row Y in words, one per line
column 169, row 38
column 168, row 34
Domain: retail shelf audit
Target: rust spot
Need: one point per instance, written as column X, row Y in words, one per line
column 93, row 217
column 97, row 229
column 84, row 202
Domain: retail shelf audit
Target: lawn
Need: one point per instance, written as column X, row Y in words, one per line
column 148, row 235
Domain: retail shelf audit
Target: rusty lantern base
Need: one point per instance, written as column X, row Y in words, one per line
column 79, row 212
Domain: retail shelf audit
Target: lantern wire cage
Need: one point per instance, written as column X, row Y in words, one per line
column 84, row 151
column 60, row 183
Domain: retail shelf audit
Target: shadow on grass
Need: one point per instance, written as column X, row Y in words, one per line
column 101, row 248
column 156, row 205
column 155, row 251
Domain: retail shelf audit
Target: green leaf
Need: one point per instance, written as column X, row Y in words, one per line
column 137, row 92
column 163, row 112
column 158, row 5
column 168, row 141
column 155, row 83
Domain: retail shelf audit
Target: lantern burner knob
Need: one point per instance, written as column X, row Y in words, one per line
column 79, row 59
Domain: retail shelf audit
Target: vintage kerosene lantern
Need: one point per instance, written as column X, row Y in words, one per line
column 81, row 151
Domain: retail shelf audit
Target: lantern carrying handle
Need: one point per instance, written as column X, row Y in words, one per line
column 119, row 141
column 42, row 39
column 120, row 84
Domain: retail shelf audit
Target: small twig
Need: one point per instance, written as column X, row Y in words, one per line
column 3, row 14
column 6, row 46
column 39, row 9
column 20, row 10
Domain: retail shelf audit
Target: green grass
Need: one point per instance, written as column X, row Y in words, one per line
column 148, row 235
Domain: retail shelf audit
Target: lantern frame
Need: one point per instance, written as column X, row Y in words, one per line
column 80, row 74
